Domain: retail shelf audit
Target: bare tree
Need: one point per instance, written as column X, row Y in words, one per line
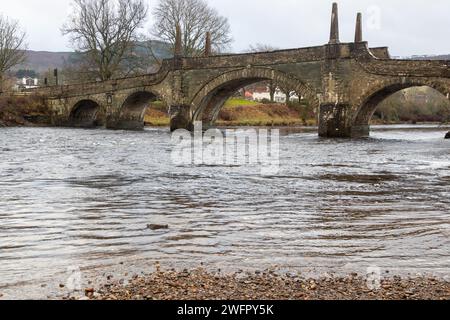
column 195, row 18
column 289, row 92
column 12, row 46
column 105, row 32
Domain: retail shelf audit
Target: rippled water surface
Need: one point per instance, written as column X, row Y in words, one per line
column 83, row 199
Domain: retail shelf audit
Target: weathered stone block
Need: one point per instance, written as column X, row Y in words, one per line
column 180, row 118
column 333, row 121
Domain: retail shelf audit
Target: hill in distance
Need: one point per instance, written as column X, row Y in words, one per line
column 42, row 61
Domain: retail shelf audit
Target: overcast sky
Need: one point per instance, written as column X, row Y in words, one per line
column 408, row 27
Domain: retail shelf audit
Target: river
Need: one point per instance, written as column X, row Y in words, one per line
column 82, row 199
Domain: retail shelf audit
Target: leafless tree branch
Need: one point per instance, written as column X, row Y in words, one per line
column 12, row 46
column 196, row 18
column 106, row 32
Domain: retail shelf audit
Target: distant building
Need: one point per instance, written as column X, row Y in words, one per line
column 248, row 95
column 263, row 93
column 27, row 83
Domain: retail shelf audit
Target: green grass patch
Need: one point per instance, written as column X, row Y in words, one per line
column 239, row 102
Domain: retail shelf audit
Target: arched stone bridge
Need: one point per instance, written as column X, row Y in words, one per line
column 345, row 81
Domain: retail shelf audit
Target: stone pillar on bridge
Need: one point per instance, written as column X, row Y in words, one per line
column 358, row 30
column 180, row 117
column 178, row 47
column 208, row 45
column 334, row 121
column 334, row 112
column 179, row 112
column 334, row 32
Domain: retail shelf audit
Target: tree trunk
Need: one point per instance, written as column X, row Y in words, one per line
column 288, row 97
column 272, row 90
column 272, row 96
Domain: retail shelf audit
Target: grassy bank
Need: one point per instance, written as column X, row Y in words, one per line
column 23, row 111
column 241, row 112
column 157, row 115
column 238, row 112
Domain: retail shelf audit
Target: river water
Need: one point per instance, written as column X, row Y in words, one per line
column 82, row 199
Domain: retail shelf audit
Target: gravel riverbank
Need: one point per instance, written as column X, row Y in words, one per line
column 202, row 285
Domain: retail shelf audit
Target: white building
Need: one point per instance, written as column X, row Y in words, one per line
column 279, row 96
column 27, row 83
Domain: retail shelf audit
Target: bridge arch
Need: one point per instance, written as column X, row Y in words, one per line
column 133, row 108
column 85, row 114
column 207, row 103
column 369, row 103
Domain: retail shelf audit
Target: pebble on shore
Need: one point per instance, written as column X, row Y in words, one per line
column 202, row 285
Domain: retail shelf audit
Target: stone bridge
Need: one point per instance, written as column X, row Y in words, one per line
column 344, row 81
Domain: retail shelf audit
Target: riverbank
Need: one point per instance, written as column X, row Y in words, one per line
column 26, row 111
column 242, row 113
column 236, row 113
column 202, row 285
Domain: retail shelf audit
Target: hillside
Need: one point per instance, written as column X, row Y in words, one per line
column 42, row 61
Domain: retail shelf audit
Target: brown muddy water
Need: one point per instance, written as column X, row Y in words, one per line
column 82, row 199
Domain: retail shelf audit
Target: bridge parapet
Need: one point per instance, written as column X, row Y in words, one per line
column 316, row 53
column 112, row 85
column 410, row 68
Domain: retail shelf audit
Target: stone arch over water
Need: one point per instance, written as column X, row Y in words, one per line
column 84, row 114
column 370, row 102
column 208, row 102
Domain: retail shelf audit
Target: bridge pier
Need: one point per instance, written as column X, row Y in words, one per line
column 334, row 121
column 180, row 117
column 126, row 124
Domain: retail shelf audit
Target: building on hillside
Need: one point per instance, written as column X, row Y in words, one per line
column 263, row 94
column 248, row 95
column 26, row 83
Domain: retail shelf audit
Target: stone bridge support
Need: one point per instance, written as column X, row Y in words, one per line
column 335, row 121
column 180, row 117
